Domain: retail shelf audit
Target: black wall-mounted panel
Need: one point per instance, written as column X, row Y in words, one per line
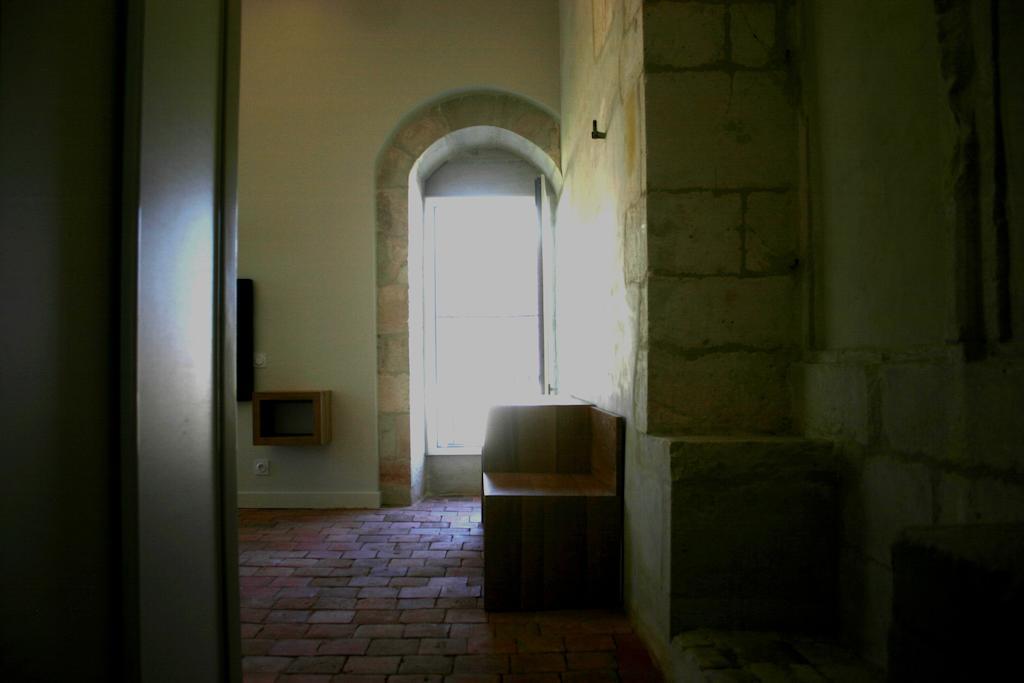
column 245, row 379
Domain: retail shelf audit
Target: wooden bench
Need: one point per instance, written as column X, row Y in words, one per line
column 552, row 506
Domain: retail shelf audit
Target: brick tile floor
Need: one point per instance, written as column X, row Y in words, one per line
column 395, row 596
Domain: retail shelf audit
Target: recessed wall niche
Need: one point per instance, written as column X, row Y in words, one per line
column 291, row 418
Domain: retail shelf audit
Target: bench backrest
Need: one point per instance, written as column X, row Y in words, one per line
column 563, row 439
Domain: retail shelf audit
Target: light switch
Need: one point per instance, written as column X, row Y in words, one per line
column 259, row 359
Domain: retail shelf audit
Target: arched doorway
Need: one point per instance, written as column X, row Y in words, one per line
column 423, row 142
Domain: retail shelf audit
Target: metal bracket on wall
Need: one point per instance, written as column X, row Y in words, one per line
column 596, row 134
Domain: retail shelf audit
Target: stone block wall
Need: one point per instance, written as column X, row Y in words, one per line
column 722, row 235
column 924, row 439
column 648, row 547
column 821, row 242
column 910, row 370
column 676, row 237
column 753, row 541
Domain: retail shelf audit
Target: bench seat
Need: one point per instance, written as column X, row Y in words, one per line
column 545, row 484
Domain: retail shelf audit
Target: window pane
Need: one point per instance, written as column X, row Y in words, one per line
column 486, row 256
column 486, row 312
column 480, row 362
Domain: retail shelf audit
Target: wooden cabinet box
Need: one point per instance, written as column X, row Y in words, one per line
column 291, row 418
column 552, row 476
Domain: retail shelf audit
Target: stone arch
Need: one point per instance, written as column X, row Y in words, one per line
column 421, row 143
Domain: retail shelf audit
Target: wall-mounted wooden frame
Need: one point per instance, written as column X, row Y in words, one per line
column 291, row 418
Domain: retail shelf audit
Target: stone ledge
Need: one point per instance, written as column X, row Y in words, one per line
column 725, row 390
column 754, row 529
column 754, row 656
column 735, row 457
column 957, row 590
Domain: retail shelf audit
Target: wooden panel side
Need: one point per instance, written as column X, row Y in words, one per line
column 502, row 542
column 536, row 429
column 564, row 552
column 573, row 438
column 498, row 454
column 603, row 574
column 531, row 567
column 607, row 447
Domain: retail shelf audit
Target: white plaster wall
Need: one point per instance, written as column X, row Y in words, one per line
column 323, row 84
column 599, row 225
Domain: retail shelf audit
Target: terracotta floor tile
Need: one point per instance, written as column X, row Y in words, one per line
column 256, row 677
column 250, row 630
column 605, row 676
column 369, row 581
column 265, row 664
column 427, row 630
column 481, row 664
column 416, row 603
column 380, row 631
column 376, row 616
column 372, row 665
column 294, row 648
column 466, row 616
column 540, row 644
column 317, row 665
column 426, row 664
column 331, row 616
column 471, row 630
column 531, row 678
column 331, row 602
column 287, row 616
column 408, row 581
column 416, row 678
column 442, row 646
column 294, row 603
column 422, row 616
column 359, row 678
column 460, row 603
column 395, row 596
column 473, row 678
column 394, row 646
column 516, row 630
column 491, row 645
column 377, row 603
column 344, row 646
column 257, row 646
column 537, row 662
column 331, row 631
column 589, row 643
column 590, row 660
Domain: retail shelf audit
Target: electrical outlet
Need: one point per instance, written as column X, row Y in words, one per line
column 259, row 359
column 261, row 467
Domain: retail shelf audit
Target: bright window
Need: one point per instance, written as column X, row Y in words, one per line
column 483, row 322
